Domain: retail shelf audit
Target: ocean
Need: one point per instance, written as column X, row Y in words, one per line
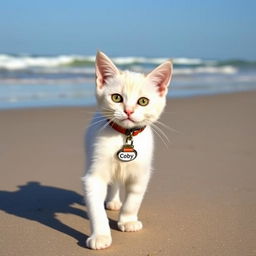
column 30, row 81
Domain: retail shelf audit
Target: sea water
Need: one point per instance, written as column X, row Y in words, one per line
column 68, row 80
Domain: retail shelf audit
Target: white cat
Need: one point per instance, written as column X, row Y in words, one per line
column 128, row 103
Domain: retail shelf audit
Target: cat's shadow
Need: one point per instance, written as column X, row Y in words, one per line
column 37, row 202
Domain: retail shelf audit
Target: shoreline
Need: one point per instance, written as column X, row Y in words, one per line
column 83, row 103
column 200, row 200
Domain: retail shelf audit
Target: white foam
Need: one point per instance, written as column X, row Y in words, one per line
column 206, row 70
column 187, row 61
column 20, row 62
column 24, row 62
column 156, row 61
column 66, row 70
column 139, row 60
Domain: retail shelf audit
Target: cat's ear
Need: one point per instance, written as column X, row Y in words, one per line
column 105, row 69
column 161, row 77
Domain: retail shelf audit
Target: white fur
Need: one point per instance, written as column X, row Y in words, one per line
column 104, row 172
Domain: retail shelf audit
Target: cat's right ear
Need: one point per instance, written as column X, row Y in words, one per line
column 105, row 69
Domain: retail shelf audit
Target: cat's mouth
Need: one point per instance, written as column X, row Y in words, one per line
column 128, row 122
column 128, row 119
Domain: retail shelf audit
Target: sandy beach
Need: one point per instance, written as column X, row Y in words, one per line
column 201, row 199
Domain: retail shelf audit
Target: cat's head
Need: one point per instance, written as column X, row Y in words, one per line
column 131, row 99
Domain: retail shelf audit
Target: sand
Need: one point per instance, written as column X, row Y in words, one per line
column 201, row 199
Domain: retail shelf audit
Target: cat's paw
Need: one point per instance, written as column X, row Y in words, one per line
column 98, row 242
column 113, row 205
column 130, row 226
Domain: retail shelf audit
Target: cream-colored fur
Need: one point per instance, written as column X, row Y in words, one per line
column 104, row 172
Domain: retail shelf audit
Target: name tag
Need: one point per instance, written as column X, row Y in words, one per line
column 127, row 153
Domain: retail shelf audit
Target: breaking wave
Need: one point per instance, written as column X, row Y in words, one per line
column 22, row 62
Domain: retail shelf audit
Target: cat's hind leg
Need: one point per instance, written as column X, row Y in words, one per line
column 113, row 201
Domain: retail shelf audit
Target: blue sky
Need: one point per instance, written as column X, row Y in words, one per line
column 208, row 29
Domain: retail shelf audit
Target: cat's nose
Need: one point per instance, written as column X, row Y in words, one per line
column 128, row 112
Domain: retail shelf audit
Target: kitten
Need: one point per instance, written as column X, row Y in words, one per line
column 119, row 144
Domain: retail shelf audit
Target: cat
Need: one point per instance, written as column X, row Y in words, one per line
column 119, row 144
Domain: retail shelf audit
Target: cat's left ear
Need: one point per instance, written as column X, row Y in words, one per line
column 161, row 77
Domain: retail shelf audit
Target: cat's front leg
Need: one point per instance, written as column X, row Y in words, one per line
column 128, row 218
column 95, row 193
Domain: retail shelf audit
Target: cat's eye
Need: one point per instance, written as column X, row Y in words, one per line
column 117, row 98
column 143, row 101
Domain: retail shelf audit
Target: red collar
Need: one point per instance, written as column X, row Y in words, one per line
column 133, row 131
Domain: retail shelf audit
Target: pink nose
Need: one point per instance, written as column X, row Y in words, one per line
column 128, row 112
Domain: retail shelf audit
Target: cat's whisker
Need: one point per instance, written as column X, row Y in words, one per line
column 106, row 111
column 103, row 116
column 97, row 122
column 159, row 135
column 107, row 123
column 161, row 131
column 104, row 108
column 154, row 129
column 118, row 116
column 102, row 112
column 163, row 124
column 167, row 127
column 108, row 114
